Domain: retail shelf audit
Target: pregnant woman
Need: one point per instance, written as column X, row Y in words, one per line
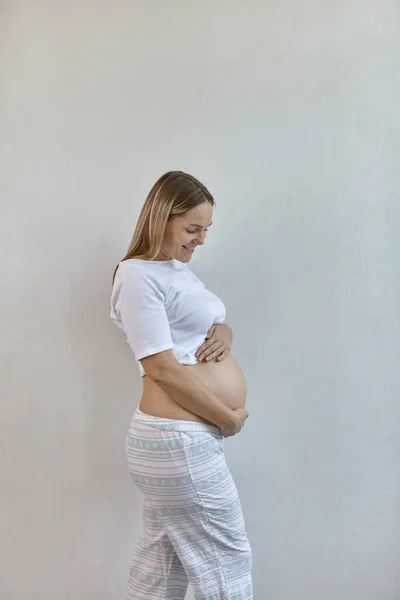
column 194, row 395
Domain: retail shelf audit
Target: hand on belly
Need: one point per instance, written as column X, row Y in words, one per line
column 217, row 344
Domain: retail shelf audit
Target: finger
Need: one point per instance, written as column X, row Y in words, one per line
column 227, row 433
column 214, row 348
column 205, row 345
column 223, row 355
column 202, row 348
column 214, row 355
column 211, row 347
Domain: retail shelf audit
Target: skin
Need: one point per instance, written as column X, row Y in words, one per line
column 187, row 232
column 190, row 230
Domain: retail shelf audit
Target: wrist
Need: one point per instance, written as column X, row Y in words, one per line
column 227, row 418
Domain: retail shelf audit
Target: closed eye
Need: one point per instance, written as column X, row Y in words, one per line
column 195, row 231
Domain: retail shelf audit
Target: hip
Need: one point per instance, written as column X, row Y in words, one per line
column 166, row 456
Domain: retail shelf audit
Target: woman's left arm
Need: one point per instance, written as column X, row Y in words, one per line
column 217, row 344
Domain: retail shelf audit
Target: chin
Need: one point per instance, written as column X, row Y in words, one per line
column 183, row 256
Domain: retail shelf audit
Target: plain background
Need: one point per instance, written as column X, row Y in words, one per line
column 288, row 111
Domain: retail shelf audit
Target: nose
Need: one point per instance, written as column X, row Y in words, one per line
column 201, row 238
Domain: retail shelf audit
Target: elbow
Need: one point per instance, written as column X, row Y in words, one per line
column 156, row 374
column 160, row 368
column 151, row 370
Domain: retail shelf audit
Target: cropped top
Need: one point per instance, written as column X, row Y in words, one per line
column 162, row 305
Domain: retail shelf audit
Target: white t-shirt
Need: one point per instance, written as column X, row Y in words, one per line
column 162, row 305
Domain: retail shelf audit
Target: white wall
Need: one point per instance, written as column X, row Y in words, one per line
column 289, row 112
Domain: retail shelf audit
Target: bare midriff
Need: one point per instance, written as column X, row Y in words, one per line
column 225, row 379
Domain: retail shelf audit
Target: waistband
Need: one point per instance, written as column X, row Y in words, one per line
column 174, row 424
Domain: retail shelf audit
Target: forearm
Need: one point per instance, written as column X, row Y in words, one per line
column 187, row 390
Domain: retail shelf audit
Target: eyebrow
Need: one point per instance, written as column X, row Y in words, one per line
column 199, row 226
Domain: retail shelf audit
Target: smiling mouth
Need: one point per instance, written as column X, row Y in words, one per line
column 191, row 250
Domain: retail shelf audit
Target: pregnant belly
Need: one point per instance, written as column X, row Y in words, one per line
column 225, row 379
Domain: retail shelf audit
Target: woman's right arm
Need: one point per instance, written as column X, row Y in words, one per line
column 190, row 392
column 138, row 301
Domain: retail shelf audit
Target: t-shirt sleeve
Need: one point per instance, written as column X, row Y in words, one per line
column 141, row 309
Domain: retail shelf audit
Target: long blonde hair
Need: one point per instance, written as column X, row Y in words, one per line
column 173, row 194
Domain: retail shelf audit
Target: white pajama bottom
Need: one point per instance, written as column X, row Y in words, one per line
column 193, row 527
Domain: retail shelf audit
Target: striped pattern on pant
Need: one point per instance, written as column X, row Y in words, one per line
column 193, row 526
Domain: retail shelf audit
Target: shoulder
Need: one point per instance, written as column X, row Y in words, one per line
column 137, row 269
column 139, row 274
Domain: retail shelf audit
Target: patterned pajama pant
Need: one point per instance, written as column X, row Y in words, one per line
column 193, row 527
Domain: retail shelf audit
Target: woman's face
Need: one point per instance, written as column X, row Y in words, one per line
column 184, row 233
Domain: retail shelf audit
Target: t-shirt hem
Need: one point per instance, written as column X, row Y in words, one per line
column 192, row 361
